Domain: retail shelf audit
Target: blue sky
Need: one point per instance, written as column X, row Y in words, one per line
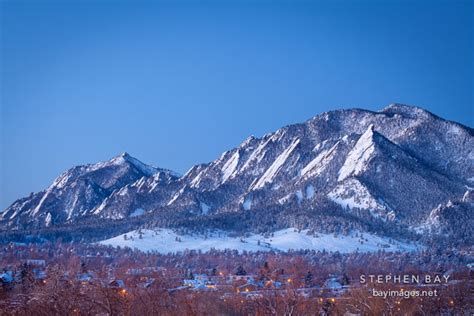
column 178, row 83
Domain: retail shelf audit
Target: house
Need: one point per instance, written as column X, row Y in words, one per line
column 116, row 283
column 234, row 278
column 275, row 284
column 148, row 283
column 36, row 262
column 146, row 271
column 247, row 288
column 6, row 280
column 39, row 274
column 333, row 284
column 200, row 281
column 85, row 278
column 253, row 295
column 195, row 284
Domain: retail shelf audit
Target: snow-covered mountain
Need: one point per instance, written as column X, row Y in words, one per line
column 340, row 170
column 79, row 191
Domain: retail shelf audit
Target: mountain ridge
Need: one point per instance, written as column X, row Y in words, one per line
column 393, row 166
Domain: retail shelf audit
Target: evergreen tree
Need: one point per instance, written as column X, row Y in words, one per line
column 308, row 279
column 240, row 271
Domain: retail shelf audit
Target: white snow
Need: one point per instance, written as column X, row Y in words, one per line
column 275, row 167
column 456, row 130
column 247, row 205
column 13, row 215
column 197, row 179
column 256, row 155
column 228, row 170
column 101, row 207
column 40, row 204
column 204, row 208
column 122, row 159
column 137, row 212
column 155, row 182
column 48, row 219
column 353, row 194
column 139, row 184
column 309, row 192
column 284, row 199
column 278, row 135
column 318, row 164
column 299, row 195
column 359, row 156
column 165, row 241
column 247, row 141
column 176, row 196
column 62, row 180
column 123, row 191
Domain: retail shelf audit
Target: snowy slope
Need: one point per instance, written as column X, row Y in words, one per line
column 166, row 241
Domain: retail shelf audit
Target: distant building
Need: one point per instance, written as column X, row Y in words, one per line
column 333, row 284
column 6, row 279
column 247, row 278
column 117, row 283
column 146, row 271
column 200, row 281
column 36, row 262
column 85, row 277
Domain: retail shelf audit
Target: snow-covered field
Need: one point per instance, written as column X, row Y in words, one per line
column 167, row 241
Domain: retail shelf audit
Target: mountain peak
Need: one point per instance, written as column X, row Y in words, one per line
column 406, row 110
column 127, row 158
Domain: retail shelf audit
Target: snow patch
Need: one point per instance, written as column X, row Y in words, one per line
column 275, row 167
column 197, row 180
column 284, row 199
column 204, row 208
column 257, row 155
column 247, row 205
column 318, row 164
column 299, row 196
column 309, row 192
column 353, row 194
column 176, row 196
column 359, row 156
column 228, row 170
column 40, row 204
column 48, row 219
column 137, row 212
